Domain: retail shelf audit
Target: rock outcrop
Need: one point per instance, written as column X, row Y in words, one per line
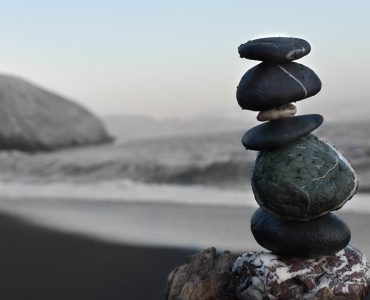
column 34, row 119
column 211, row 275
column 260, row 275
column 205, row 276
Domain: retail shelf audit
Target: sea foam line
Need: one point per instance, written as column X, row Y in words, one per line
column 133, row 192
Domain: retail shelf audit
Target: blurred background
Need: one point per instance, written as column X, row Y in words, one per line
column 111, row 219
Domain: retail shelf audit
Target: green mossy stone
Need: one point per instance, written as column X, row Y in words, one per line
column 303, row 180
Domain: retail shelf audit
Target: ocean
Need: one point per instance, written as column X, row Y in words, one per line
column 209, row 168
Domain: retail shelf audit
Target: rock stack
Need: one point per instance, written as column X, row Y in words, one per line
column 297, row 180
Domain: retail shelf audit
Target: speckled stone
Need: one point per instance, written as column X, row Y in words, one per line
column 324, row 235
column 266, row 85
column 260, row 276
column 277, row 133
column 277, row 49
column 280, row 112
column 303, row 180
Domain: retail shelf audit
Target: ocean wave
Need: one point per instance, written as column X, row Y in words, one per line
column 217, row 172
column 211, row 160
column 127, row 191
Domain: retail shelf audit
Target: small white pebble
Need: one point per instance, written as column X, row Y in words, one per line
column 280, row 112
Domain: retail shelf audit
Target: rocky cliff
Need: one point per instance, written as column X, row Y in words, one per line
column 34, row 119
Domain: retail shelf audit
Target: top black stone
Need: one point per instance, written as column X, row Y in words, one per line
column 275, row 49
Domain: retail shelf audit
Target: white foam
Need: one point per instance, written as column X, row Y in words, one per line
column 128, row 191
column 134, row 192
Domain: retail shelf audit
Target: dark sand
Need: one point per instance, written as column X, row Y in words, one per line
column 38, row 263
column 161, row 224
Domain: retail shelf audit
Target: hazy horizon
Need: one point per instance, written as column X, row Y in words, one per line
column 180, row 60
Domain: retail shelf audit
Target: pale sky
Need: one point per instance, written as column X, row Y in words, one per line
column 179, row 58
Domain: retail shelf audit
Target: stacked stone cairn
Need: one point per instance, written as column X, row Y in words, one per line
column 297, row 180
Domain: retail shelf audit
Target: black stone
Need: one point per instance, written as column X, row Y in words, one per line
column 277, row 49
column 266, row 85
column 277, row 133
column 325, row 235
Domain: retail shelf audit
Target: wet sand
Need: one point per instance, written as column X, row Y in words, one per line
column 38, row 263
column 66, row 249
column 160, row 224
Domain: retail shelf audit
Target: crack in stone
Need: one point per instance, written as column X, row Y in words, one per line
column 327, row 172
column 296, row 79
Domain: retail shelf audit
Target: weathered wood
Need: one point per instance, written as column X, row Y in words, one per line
column 205, row 276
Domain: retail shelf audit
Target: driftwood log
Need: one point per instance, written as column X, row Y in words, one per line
column 205, row 276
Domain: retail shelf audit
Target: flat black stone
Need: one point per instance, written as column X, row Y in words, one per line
column 277, row 49
column 325, row 235
column 277, row 133
column 266, row 85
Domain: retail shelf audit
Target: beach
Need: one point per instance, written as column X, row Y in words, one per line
column 160, row 224
column 112, row 221
column 108, row 250
column 39, row 263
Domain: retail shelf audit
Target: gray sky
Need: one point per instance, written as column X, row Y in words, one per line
column 179, row 58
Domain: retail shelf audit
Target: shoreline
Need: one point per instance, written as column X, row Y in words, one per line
column 54, row 249
column 159, row 224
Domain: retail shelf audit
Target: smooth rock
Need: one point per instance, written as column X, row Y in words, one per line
column 260, row 275
column 34, row 119
column 303, row 180
column 266, row 85
column 280, row 112
column 325, row 235
column 277, row 133
column 277, row 49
